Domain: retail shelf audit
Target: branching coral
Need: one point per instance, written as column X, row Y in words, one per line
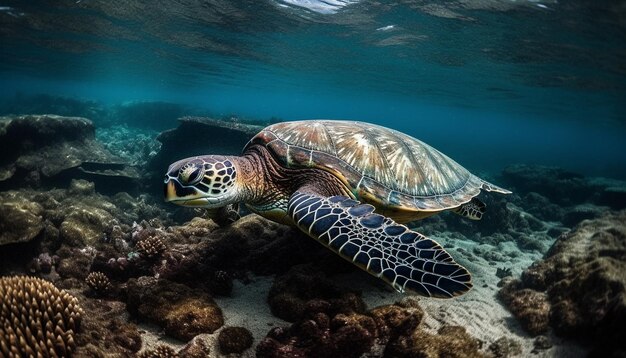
column 151, row 247
column 99, row 283
column 161, row 351
column 36, row 318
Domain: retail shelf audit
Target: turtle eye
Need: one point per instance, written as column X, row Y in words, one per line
column 189, row 175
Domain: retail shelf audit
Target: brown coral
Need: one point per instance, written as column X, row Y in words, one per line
column 321, row 336
column 151, row 247
column 36, row 318
column 234, row 340
column 452, row 341
column 579, row 287
column 182, row 312
column 530, row 307
column 99, row 283
column 394, row 321
column 161, row 351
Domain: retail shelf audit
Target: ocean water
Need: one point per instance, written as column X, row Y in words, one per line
column 488, row 82
column 497, row 85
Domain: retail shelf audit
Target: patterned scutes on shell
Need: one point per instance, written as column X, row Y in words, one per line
column 378, row 164
column 36, row 318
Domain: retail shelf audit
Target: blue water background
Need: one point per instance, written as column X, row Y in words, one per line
column 535, row 83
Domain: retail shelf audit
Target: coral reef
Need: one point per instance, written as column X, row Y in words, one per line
column 394, row 321
column 182, row 312
column 161, row 351
column 42, row 150
column 451, row 341
column 105, row 330
column 135, row 145
column 234, row 340
column 321, row 336
column 36, row 318
column 99, row 283
column 564, row 188
column 74, row 217
column 304, row 289
column 394, row 328
column 558, row 185
column 20, row 219
column 151, row 247
column 168, row 266
column 43, row 263
column 579, row 287
column 531, row 307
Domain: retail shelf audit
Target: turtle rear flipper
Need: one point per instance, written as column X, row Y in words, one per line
column 405, row 259
column 473, row 210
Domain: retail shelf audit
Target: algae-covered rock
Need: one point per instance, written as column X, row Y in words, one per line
column 39, row 150
column 304, row 289
column 505, row 347
column 451, row 341
column 182, row 312
column 581, row 284
column 196, row 348
column 394, row 321
column 20, row 219
column 558, row 185
column 234, row 340
column 530, row 307
column 321, row 336
column 84, row 224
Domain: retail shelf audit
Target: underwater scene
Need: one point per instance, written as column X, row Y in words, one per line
column 312, row 178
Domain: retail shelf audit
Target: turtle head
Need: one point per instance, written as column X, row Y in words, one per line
column 202, row 182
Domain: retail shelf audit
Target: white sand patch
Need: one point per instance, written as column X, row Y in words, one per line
column 479, row 311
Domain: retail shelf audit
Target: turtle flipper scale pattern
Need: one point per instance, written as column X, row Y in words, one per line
column 473, row 210
column 407, row 260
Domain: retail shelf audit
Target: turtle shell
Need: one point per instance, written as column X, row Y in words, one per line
column 379, row 165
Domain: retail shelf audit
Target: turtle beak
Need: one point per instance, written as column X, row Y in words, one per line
column 170, row 191
column 184, row 196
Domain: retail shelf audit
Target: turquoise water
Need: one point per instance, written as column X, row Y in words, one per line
column 490, row 83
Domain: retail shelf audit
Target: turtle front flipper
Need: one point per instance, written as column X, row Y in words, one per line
column 405, row 259
column 225, row 215
column 473, row 210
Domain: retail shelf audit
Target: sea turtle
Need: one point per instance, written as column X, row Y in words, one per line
column 349, row 185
